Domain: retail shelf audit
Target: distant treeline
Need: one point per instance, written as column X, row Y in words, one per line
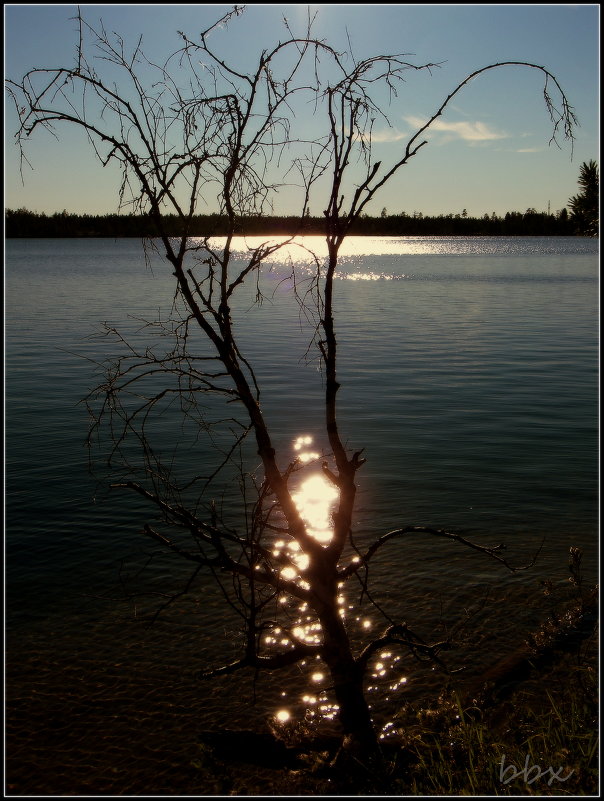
column 24, row 223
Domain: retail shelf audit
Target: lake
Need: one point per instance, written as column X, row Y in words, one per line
column 469, row 372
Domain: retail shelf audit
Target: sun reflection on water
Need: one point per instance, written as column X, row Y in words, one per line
column 306, row 248
column 315, row 497
column 307, row 254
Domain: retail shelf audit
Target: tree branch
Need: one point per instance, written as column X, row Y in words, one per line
column 493, row 551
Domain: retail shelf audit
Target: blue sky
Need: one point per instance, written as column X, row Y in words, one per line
column 489, row 152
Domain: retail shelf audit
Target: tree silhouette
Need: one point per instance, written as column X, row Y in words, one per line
column 584, row 207
column 183, row 131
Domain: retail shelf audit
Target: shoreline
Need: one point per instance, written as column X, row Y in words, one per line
column 362, row 234
column 23, row 223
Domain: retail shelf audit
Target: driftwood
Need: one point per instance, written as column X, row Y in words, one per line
column 559, row 635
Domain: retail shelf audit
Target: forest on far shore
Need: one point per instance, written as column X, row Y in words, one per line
column 24, row 223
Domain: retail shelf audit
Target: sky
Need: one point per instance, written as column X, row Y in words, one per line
column 489, row 152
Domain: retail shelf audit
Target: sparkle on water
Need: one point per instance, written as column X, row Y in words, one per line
column 315, row 498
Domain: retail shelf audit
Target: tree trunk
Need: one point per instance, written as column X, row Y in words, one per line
column 360, row 738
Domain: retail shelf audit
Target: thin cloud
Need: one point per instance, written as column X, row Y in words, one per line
column 388, row 135
column 473, row 132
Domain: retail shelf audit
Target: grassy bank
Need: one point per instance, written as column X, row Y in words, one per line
column 541, row 740
column 531, row 728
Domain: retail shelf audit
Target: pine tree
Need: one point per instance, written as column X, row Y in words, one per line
column 584, row 207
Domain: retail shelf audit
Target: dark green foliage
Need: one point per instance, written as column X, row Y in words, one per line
column 584, row 207
column 24, row 223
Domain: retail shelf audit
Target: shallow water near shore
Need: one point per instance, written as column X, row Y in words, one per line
column 469, row 375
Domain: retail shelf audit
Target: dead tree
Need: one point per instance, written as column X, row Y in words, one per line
column 227, row 135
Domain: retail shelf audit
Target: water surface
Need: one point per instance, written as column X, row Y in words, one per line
column 469, row 376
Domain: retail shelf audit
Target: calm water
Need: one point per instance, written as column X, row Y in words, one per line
column 469, row 374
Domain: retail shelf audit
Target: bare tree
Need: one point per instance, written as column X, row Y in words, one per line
column 227, row 134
